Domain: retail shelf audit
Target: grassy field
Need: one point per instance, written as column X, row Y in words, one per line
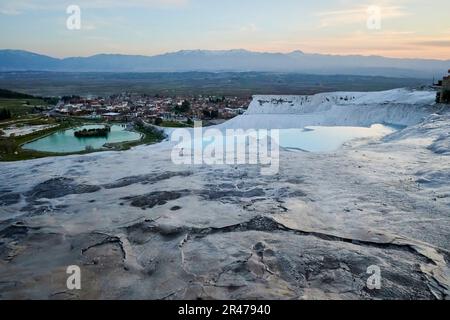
column 20, row 107
column 30, row 120
column 175, row 124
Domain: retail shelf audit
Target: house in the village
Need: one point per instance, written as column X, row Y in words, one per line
column 443, row 95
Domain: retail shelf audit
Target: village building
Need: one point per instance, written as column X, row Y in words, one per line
column 443, row 96
column 112, row 116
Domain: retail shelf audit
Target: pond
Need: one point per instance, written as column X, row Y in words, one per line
column 66, row 142
column 311, row 139
column 323, row 139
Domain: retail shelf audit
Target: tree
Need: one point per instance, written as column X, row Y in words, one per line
column 7, row 145
column 5, row 114
column 446, row 96
column 213, row 114
column 184, row 107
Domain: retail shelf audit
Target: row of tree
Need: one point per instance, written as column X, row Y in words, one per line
column 5, row 114
column 185, row 107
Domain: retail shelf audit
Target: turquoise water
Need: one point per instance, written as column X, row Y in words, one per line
column 312, row 139
column 322, row 139
column 66, row 142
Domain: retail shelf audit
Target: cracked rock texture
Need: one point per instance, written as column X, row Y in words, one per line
column 141, row 227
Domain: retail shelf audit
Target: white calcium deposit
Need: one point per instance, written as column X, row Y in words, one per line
column 141, row 227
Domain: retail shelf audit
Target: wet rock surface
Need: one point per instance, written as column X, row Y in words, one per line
column 9, row 199
column 153, row 199
column 59, row 187
column 146, row 179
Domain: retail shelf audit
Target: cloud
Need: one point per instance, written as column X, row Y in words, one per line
column 433, row 43
column 358, row 15
column 15, row 7
column 88, row 26
column 134, row 3
column 9, row 11
column 251, row 27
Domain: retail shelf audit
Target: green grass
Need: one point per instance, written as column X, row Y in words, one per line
column 147, row 138
column 20, row 107
column 175, row 124
column 29, row 120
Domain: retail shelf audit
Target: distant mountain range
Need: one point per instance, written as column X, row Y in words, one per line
column 228, row 61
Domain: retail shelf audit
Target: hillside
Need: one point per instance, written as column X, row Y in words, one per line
column 230, row 61
column 7, row 94
column 399, row 106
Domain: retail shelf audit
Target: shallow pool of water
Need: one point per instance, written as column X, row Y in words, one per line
column 322, row 139
column 312, row 139
column 66, row 142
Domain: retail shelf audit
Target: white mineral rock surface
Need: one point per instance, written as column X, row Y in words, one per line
column 141, row 227
column 22, row 131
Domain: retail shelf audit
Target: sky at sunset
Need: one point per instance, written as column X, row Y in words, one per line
column 408, row 28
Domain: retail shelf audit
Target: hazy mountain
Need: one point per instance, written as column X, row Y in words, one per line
column 23, row 60
column 231, row 60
